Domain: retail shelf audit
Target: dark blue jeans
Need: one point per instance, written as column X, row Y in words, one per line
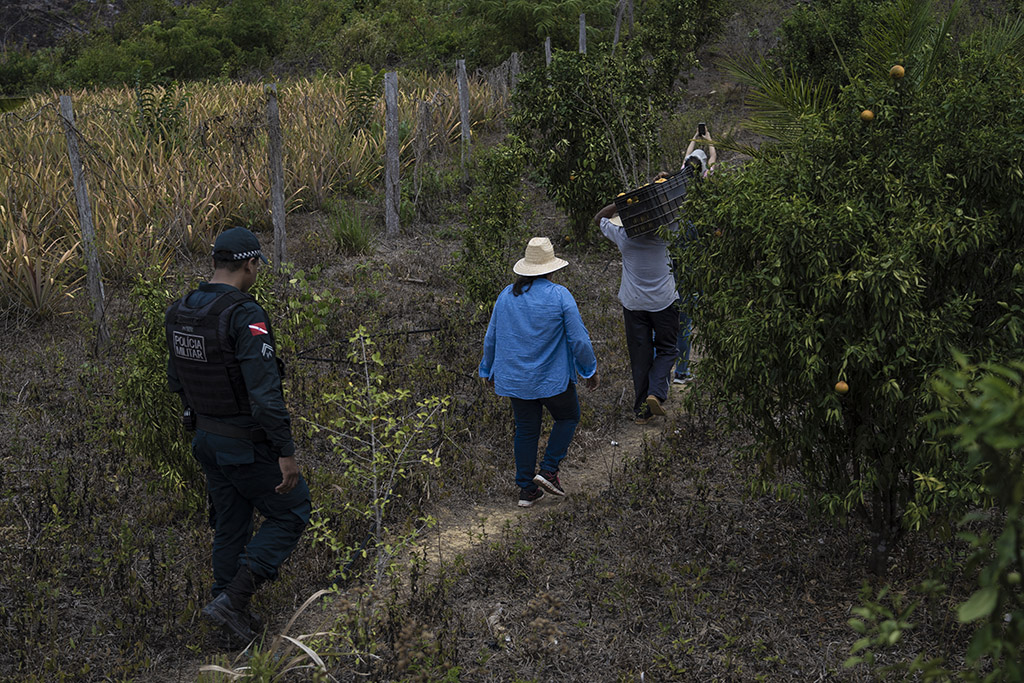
column 565, row 409
column 651, row 341
column 236, row 489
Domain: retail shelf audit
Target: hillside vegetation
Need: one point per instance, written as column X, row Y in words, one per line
column 837, row 497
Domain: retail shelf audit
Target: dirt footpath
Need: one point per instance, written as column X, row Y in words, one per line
column 458, row 531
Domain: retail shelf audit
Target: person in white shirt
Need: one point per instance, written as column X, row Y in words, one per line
column 648, row 295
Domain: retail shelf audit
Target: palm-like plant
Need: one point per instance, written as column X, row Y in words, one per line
column 785, row 106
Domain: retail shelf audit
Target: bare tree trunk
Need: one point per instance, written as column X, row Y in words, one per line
column 276, row 160
column 93, row 274
column 618, row 23
column 583, row 34
column 463, row 82
column 547, row 51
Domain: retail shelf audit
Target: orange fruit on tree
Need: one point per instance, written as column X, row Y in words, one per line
column 842, row 387
column 867, row 116
column 897, row 72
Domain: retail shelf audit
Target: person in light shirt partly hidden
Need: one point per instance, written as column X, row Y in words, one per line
column 702, row 165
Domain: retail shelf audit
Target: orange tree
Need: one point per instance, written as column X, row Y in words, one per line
column 863, row 250
column 592, row 120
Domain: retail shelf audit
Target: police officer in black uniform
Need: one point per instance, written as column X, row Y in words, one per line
column 224, row 366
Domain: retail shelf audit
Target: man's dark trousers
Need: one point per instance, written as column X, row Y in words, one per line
column 651, row 341
column 241, row 476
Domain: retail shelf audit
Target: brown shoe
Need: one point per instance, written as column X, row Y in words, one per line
column 654, row 405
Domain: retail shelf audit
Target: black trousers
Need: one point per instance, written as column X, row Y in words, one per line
column 651, row 341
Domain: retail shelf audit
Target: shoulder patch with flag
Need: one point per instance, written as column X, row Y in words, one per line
column 256, row 329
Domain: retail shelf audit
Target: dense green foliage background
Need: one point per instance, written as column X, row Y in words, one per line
column 845, row 249
column 162, row 41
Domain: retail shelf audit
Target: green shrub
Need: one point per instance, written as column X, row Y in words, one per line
column 591, row 122
column 495, row 235
column 863, row 252
column 380, row 436
column 352, row 234
column 810, row 36
column 151, row 414
column 983, row 409
column 522, row 25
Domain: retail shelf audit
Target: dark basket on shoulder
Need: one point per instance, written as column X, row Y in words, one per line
column 647, row 208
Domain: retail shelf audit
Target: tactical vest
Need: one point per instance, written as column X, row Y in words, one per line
column 204, row 356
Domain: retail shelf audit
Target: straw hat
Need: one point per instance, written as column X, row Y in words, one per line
column 539, row 259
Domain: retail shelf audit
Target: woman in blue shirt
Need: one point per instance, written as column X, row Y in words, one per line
column 535, row 346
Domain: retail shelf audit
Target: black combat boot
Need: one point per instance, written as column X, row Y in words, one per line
column 229, row 610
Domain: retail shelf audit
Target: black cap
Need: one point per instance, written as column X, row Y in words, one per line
column 237, row 244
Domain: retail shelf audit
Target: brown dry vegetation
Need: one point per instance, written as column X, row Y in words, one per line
column 661, row 567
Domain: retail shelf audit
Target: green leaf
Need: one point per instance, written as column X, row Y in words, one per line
column 979, row 605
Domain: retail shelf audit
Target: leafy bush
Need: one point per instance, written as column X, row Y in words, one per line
column 592, row 124
column 381, row 436
column 985, row 405
column 811, row 34
column 524, row 24
column 593, row 120
column 495, row 234
column 863, row 251
column 152, row 430
column 989, row 401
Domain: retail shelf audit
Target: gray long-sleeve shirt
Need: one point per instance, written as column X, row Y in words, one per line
column 647, row 280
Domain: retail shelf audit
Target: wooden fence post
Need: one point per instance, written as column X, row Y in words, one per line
column 583, row 34
column 463, row 82
column 392, row 189
column 276, row 160
column 547, row 51
column 93, row 274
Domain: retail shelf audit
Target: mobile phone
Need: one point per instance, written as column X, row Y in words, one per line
column 702, row 129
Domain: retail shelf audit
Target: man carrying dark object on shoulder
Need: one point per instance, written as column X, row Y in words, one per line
column 647, row 292
column 223, row 364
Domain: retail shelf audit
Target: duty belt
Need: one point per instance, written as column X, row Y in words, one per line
column 208, row 424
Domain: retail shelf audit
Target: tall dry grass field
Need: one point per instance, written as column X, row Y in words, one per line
column 168, row 169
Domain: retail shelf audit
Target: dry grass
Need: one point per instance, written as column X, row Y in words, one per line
column 172, row 185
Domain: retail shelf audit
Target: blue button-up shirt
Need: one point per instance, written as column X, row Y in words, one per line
column 536, row 342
